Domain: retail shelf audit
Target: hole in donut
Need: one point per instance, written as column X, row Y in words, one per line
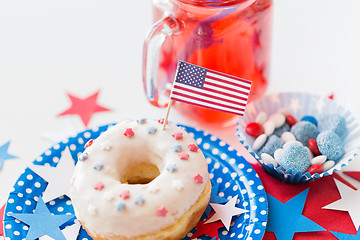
column 142, row 173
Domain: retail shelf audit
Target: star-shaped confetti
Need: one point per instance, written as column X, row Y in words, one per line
column 285, row 219
column 161, row 211
column 58, row 178
column 349, row 202
column 4, row 155
column 84, row 107
column 343, row 236
column 193, row 147
column 176, row 148
column 198, row 178
column 177, row 184
column 129, row 132
column 177, row 135
column 70, row 232
column 42, row 222
column 171, row 167
column 183, row 156
column 226, row 212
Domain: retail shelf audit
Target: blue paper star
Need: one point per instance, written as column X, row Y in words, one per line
column 343, row 236
column 4, row 154
column 42, row 222
column 285, row 219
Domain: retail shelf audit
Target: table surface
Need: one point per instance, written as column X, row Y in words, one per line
column 49, row 49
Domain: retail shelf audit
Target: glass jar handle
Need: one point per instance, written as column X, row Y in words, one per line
column 155, row 38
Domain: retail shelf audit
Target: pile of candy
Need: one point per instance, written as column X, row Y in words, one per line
column 307, row 145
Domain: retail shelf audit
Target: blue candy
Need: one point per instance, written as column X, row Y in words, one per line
column 310, row 119
column 303, row 131
column 280, row 130
column 333, row 122
column 296, row 158
column 271, row 145
column 330, row 145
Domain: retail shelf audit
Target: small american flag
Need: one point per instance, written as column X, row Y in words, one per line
column 210, row 89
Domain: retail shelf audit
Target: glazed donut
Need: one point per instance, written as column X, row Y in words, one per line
column 137, row 181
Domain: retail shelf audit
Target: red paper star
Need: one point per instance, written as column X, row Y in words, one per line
column 354, row 175
column 2, row 209
column 84, row 107
column 198, row 178
column 129, row 132
column 161, row 211
column 177, row 135
column 183, row 156
column 193, row 147
column 210, row 229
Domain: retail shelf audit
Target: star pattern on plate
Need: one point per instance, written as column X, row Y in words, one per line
column 343, row 236
column 70, row 232
column 42, row 222
column 58, row 178
column 289, row 212
column 84, row 107
column 226, row 212
column 349, row 202
column 4, row 155
column 214, row 198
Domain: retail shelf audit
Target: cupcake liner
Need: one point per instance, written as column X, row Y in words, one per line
column 300, row 105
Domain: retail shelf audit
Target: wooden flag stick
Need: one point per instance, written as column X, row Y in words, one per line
column 167, row 114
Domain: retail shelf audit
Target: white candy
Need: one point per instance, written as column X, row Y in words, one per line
column 292, row 143
column 259, row 142
column 310, row 152
column 278, row 119
column 284, row 111
column 277, row 154
column 269, row 127
column 268, row 159
column 318, row 159
column 287, row 137
column 328, row 164
column 261, row 117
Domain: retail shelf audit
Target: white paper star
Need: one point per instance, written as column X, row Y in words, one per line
column 70, row 232
column 226, row 212
column 349, row 202
column 58, row 178
column 67, row 130
column 295, row 105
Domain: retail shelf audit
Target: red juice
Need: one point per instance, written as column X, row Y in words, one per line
column 231, row 36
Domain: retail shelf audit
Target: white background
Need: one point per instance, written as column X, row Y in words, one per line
column 50, row 48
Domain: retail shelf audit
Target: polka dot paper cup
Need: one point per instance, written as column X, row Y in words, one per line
column 300, row 105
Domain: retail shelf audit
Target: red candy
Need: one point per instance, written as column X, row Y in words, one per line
column 317, row 168
column 314, row 147
column 129, row 132
column 89, row 143
column 254, row 129
column 290, row 120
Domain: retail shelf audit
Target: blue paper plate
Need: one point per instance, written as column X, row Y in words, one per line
column 227, row 168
